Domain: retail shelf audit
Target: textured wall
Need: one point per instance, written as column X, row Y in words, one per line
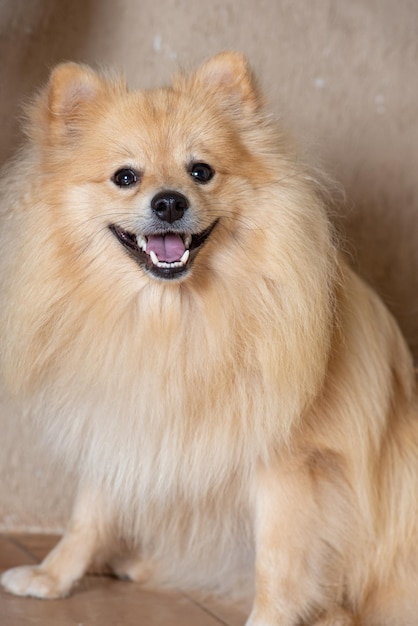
column 343, row 75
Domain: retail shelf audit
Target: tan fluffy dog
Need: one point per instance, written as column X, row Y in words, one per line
column 176, row 316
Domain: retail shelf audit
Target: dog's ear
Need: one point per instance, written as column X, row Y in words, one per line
column 70, row 88
column 70, row 98
column 229, row 76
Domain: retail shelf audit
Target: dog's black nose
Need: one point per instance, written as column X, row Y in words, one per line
column 169, row 206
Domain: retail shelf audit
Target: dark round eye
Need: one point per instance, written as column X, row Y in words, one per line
column 125, row 177
column 201, row 172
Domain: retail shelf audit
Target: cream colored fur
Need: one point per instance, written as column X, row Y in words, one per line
column 263, row 407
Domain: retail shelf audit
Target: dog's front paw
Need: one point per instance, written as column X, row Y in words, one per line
column 32, row 580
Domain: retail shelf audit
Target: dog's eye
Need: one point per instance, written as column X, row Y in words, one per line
column 201, row 172
column 125, row 177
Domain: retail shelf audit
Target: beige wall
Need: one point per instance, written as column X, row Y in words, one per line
column 342, row 73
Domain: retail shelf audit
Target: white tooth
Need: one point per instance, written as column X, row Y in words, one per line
column 185, row 257
column 154, row 257
column 187, row 241
column 142, row 243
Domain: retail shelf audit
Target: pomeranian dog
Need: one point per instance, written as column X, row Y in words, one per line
column 177, row 317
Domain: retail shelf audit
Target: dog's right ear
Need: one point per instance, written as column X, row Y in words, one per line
column 69, row 100
column 70, row 88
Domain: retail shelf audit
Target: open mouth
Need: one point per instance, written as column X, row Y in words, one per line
column 168, row 255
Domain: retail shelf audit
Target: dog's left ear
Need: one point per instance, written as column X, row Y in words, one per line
column 228, row 76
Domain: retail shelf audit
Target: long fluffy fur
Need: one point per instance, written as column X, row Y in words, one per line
column 268, row 395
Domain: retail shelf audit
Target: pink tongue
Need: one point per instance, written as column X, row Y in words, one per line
column 168, row 248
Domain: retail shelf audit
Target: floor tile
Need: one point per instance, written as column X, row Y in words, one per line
column 226, row 613
column 101, row 600
column 36, row 545
column 12, row 554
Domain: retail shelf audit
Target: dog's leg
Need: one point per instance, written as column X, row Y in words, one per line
column 396, row 604
column 292, row 580
column 69, row 560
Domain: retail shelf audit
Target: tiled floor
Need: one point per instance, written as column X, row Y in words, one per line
column 101, row 600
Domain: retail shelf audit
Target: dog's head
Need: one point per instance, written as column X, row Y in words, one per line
column 173, row 217
column 165, row 172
